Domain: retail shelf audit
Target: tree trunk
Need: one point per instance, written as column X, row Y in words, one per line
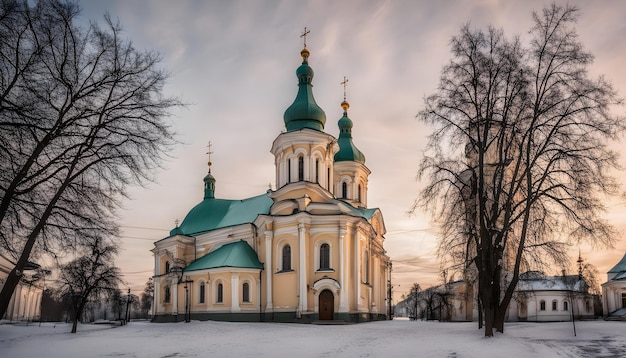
column 16, row 273
column 480, row 312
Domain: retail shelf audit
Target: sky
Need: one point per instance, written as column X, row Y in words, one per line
column 397, row 338
column 234, row 62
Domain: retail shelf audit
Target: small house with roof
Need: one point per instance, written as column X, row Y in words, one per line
column 614, row 291
column 309, row 250
column 550, row 298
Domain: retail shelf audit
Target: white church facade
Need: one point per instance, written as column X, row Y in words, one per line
column 309, row 250
column 614, row 291
column 25, row 304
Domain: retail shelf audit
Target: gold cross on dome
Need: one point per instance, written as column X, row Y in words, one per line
column 345, row 84
column 304, row 35
column 209, row 153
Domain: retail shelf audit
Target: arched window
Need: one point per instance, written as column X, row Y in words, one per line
column 246, row 292
column 201, row 292
column 328, row 184
column 588, row 306
column 344, row 190
column 288, row 170
column 167, row 295
column 300, row 168
column 325, row 257
column 220, row 293
column 565, row 306
column 359, row 193
column 554, row 307
column 542, row 305
column 286, row 258
column 317, row 171
column 167, row 267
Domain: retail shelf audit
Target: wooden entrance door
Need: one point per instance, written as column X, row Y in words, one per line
column 326, row 305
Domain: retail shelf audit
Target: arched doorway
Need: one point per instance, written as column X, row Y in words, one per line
column 326, row 305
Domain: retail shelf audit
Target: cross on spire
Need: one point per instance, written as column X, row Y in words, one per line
column 209, row 152
column 304, row 33
column 345, row 84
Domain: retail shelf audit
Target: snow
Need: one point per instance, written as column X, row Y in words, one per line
column 375, row 339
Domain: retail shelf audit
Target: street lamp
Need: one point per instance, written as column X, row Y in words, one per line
column 178, row 271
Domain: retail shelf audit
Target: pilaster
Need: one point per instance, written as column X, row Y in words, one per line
column 269, row 269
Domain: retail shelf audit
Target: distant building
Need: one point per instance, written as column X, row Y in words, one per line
column 448, row 302
column 309, row 250
column 550, row 298
column 25, row 303
column 537, row 298
column 614, row 291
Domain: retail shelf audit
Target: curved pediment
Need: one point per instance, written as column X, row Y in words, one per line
column 300, row 189
column 285, row 207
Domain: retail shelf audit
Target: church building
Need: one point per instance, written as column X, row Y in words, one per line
column 308, row 251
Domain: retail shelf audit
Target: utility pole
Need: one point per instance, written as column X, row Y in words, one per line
column 127, row 316
column 390, row 313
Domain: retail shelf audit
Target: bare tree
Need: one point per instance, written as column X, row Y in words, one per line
column 147, row 296
column 89, row 277
column 82, row 116
column 412, row 301
column 518, row 162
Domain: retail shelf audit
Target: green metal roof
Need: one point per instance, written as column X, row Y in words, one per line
column 213, row 214
column 236, row 254
column 360, row 212
column 620, row 267
column 304, row 112
column 347, row 150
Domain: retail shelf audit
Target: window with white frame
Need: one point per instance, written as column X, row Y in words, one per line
column 325, row 256
column 317, row 171
column 300, row 168
column 245, row 290
column 286, row 258
column 201, row 292
column 220, row 293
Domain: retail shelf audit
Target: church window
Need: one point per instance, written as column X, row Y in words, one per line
column 289, row 170
column 542, row 305
column 325, row 257
column 587, row 306
column 554, row 307
column 202, row 293
column 300, row 168
column 565, row 306
column 167, row 267
column 220, row 293
column 286, row 266
column 359, row 193
column 328, row 178
column 167, row 295
column 344, row 190
column 317, row 171
column 246, row 292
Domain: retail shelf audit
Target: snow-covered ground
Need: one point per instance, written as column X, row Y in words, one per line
column 375, row 339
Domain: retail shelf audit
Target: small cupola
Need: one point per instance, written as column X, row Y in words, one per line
column 347, row 150
column 304, row 111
